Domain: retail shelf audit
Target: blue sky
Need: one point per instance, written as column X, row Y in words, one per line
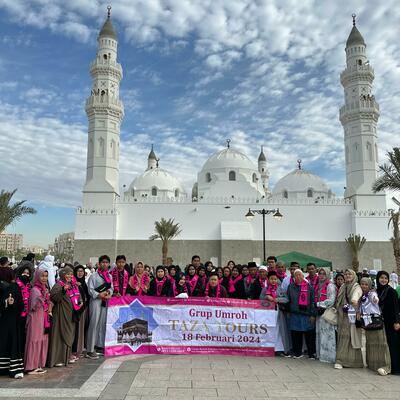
column 195, row 73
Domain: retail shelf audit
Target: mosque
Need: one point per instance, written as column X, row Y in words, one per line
column 212, row 217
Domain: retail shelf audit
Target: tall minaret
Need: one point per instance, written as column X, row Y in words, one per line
column 359, row 117
column 152, row 161
column 262, row 169
column 105, row 112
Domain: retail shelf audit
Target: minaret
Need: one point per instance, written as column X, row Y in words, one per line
column 359, row 117
column 105, row 112
column 262, row 169
column 152, row 159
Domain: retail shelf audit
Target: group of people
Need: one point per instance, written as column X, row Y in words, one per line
column 50, row 318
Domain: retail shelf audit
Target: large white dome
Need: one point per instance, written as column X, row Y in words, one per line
column 228, row 158
column 300, row 183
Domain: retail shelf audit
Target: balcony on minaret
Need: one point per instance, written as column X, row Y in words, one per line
column 102, row 65
column 103, row 100
column 360, row 106
column 361, row 71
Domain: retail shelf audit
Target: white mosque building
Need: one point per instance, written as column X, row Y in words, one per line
column 212, row 217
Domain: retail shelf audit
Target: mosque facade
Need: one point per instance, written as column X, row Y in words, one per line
column 212, row 216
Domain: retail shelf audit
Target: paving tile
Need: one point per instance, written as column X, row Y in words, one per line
column 185, row 393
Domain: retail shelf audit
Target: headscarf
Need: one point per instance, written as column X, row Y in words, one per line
column 368, row 281
column 347, row 287
column 36, row 278
column 22, row 266
column 48, row 265
column 381, row 288
column 7, row 274
column 83, row 286
column 64, row 271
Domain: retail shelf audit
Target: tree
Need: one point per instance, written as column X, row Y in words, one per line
column 166, row 231
column 390, row 178
column 356, row 243
column 12, row 213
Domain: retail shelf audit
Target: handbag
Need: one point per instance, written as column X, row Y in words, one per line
column 376, row 324
column 330, row 316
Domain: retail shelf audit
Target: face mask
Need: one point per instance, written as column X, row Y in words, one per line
column 24, row 279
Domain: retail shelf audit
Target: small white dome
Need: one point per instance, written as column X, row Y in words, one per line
column 228, row 158
column 300, row 181
column 156, row 182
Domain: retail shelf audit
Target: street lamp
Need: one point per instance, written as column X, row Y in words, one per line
column 275, row 213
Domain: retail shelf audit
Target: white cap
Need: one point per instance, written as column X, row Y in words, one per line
column 263, row 268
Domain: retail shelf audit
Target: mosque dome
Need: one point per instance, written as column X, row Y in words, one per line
column 228, row 158
column 301, row 184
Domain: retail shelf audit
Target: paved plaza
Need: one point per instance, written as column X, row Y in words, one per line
column 201, row 378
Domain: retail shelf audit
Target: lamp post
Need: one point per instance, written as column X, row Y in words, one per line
column 276, row 214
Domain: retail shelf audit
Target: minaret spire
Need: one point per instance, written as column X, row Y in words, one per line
column 263, row 170
column 109, row 12
column 354, row 19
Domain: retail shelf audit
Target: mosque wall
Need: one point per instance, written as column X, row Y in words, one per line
column 241, row 251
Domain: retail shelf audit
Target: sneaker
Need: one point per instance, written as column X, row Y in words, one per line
column 299, row 356
column 92, row 355
column 313, row 357
column 59, row 365
column 287, row 355
column 19, row 375
column 382, row 372
column 338, row 366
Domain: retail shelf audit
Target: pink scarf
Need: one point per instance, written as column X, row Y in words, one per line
column 45, row 297
column 144, row 280
column 192, row 281
column 73, row 293
column 281, row 275
column 159, row 285
column 323, row 295
column 263, row 283
column 232, row 283
column 115, row 277
column 25, row 295
column 218, row 292
column 176, row 290
column 303, row 296
column 105, row 275
column 271, row 290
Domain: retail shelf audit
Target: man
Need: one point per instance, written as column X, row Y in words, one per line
column 259, row 283
column 100, row 290
column 314, row 282
column 290, row 278
column 271, row 263
column 196, row 262
column 280, row 270
column 250, row 279
column 120, row 276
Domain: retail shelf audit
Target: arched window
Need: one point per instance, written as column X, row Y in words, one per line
column 329, row 194
column 254, row 178
column 310, row 193
column 369, row 151
column 100, row 147
column 113, row 149
column 154, row 191
column 208, row 177
column 176, row 192
column 133, row 192
column 356, row 153
column 105, row 56
column 285, row 194
column 359, row 62
column 232, row 175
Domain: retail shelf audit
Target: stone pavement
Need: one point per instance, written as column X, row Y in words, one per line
column 201, row 378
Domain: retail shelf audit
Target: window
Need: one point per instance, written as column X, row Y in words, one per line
column 369, row 151
column 176, row 192
column 285, row 194
column 105, row 56
column 254, row 178
column 208, row 177
column 310, row 193
column 232, row 175
column 154, row 191
column 133, row 192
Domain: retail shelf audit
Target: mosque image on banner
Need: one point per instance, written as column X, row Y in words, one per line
column 134, row 332
column 315, row 221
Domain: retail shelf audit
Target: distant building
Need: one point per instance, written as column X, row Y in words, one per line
column 11, row 242
column 34, row 249
column 64, row 246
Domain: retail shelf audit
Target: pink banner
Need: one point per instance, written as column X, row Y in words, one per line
column 162, row 325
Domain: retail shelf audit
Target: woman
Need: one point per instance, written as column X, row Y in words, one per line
column 24, row 274
column 67, row 303
column 139, row 281
column 160, row 286
column 325, row 332
column 11, row 306
column 214, row 288
column 259, row 283
column 339, row 281
column 389, row 305
column 274, row 293
column 302, row 315
column 181, row 287
column 348, row 353
column 81, row 326
column 38, row 325
column 194, row 282
column 226, row 276
column 230, row 264
column 236, row 287
column 377, row 350
column 209, row 268
column 220, row 272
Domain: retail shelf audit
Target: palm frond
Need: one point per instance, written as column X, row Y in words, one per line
column 356, row 243
column 390, row 173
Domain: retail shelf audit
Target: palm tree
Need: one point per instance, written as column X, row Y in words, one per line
column 11, row 213
column 166, row 231
column 395, row 220
column 356, row 243
column 390, row 178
